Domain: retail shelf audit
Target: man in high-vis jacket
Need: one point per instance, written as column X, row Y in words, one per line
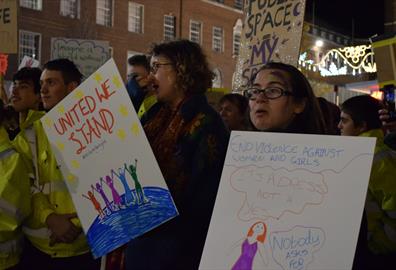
column 54, row 231
column 359, row 117
column 14, row 199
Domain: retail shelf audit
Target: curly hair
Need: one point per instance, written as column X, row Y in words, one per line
column 193, row 75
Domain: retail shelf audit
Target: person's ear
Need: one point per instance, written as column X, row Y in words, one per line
column 71, row 86
column 299, row 106
column 363, row 127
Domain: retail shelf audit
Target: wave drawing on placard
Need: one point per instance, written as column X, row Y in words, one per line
column 127, row 213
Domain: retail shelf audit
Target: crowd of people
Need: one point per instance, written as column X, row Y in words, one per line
column 39, row 227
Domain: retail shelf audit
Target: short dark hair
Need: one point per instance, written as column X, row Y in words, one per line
column 139, row 60
column 69, row 70
column 193, row 75
column 241, row 102
column 310, row 120
column 363, row 109
column 27, row 74
column 331, row 115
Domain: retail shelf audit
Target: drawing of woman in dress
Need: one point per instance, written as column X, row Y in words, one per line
column 255, row 237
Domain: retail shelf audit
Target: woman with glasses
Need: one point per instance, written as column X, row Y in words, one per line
column 281, row 100
column 189, row 141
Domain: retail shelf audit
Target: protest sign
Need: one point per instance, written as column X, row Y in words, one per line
column 289, row 201
column 271, row 32
column 107, row 163
column 28, row 61
column 8, row 26
column 88, row 55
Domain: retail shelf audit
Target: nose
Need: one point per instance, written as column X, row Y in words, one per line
column 43, row 89
column 339, row 125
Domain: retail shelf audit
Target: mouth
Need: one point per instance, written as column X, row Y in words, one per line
column 260, row 112
column 155, row 87
column 14, row 99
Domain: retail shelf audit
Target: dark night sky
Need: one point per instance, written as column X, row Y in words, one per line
column 338, row 14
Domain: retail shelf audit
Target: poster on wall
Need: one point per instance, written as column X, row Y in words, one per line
column 288, row 202
column 271, row 32
column 107, row 163
column 88, row 55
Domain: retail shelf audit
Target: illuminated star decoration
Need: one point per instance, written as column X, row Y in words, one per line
column 61, row 109
column 60, row 146
column 135, row 129
column 75, row 164
column 121, row 134
column 47, row 121
column 123, row 110
column 116, row 81
column 78, row 94
column 97, row 77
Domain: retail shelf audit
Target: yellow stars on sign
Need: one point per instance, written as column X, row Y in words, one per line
column 78, row 94
column 123, row 110
column 98, row 77
column 135, row 129
column 71, row 178
column 75, row 164
column 47, row 121
column 60, row 146
column 61, row 109
column 117, row 82
column 121, row 134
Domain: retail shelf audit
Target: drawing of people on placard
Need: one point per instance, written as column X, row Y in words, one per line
column 116, row 197
column 252, row 243
column 138, row 188
column 95, row 203
column 129, row 197
column 100, row 190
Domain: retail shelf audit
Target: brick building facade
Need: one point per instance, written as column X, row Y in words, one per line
column 131, row 26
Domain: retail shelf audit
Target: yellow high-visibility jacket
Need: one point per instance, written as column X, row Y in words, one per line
column 381, row 197
column 50, row 195
column 14, row 201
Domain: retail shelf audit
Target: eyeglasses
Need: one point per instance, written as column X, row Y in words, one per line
column 269, row 92
column 156, row 65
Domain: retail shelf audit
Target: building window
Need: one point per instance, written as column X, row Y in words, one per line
column 104, row 12
column 135, row 17
column 238, row 4
column 33, row 4
column 29, row 44
column 217, row 39
column 236, row 41
column 70, row 8
column 169, row 27
column 195, row 31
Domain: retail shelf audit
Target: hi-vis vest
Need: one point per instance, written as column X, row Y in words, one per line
column 381, row 197
column 14, row 201
column 147, row 103
column 49, row 194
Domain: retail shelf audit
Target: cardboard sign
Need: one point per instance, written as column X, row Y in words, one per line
column 88, row 55
column 8, row 26
column 289, row 201
column 28, row 61
column 106, row 160
column 271, row 33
